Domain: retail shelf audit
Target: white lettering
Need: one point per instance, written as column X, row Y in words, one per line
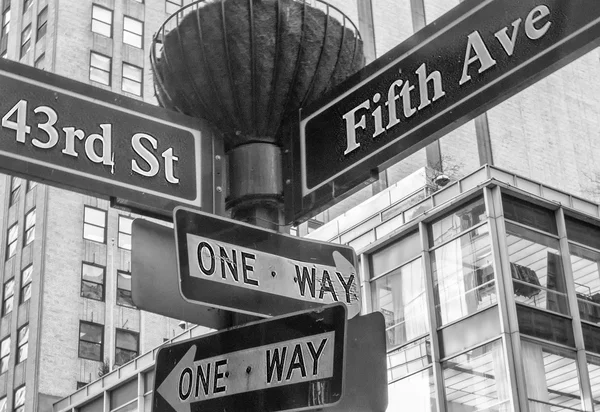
column 533, row 17
column 351, row 126
column 170, row 159
column 145, row 154
column 424, row 79
column 70, row 134
column 482, row 54
column 105, row 141
column 508, row 43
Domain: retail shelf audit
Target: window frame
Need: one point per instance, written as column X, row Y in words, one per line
column 97, row 68
column 126, row 30
column 26, row 284
column 86, row 207
column 32, row 183
column 101, row 344
column 103, row 284
column 21, row 406
column 102, row 22
column 140, row 82
column 122, row 303
column 29, row 229
column 15, row 188
column 178, row 3
column 22, row 344
column 10, row 297
column 10, row 243
column 25, row 40
column 129, row 332
column 5, row 29
column 43, row 25
column 5, row 356
column 125, row 233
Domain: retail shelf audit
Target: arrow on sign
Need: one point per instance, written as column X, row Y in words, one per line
column 174, row 381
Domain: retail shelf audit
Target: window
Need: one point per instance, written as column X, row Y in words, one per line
column 125, row 232
column 11, row 242
column 22, row 343
column 94, row 224
column 132, row 79
column 172, row 6
column 101, row 20
column 477, row 380
column 19, row 400
column 3, row 404
column 92, row 281
column 91, row 338
column 40, row 63
column 42, row 22
column 26, row 283
column 8, row 296
column 29, row 227
column 25, row 40
column 124, row 289
column 15, row 189
column 5, row 29
column 126, row 346
column 133, row 32
column 100, row 68
column 413, row 393
column 4, row 354
column 32, row 183
column 26, row 5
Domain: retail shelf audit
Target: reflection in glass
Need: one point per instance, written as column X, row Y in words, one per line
column 400, row 296
column 460, row 220
column 478, row 380
column 593, row 364
column 585, row 264
column 551, row 377
column 409, row 358
column 415, row 393
column 536, row 268
column 463, row 275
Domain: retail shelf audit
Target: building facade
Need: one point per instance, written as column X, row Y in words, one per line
column 488, row 285
column 67, row 312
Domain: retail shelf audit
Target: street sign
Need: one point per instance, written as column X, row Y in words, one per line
column 365, row 370
column 240, row 267
column 155, row 282
column 289, row 363
column 475, row 56
column 69, row 134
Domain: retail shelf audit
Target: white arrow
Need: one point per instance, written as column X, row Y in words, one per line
column 169, row 388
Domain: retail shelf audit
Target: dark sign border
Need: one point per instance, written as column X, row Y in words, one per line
column 391, row 148
column 261, row 333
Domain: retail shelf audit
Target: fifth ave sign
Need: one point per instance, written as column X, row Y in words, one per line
column 472, row 58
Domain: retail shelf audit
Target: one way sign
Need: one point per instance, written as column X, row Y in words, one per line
column 288, row 363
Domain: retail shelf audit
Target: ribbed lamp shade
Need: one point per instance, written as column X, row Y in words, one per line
column 244, row 65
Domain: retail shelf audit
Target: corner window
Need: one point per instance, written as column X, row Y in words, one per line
column 124, row 289
column 125, row 232
column 91, row 340
column 29, row 227
column 171, row 6
column 94, row 224
column 4, row 355
column 126, row 346
column 100, row 68
column 133, row 32
column 101, row 20
column 11, row 241
column 22, row 343
column 42, row 22
column 15, row 189
column 8, row 297
column 26, row 275
column 25, row 40
column 92, row 281
column 132, row 79
column 19, row 400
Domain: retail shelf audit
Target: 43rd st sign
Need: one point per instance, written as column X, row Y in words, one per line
column 232, row 265
column 470, row 59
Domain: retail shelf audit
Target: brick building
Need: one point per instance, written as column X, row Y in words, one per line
column 543, row 145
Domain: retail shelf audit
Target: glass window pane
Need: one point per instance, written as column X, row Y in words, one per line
column 478, row 380
column 463, row 276
column 5, row 347
column 400, row 296
column 101, row 28
column 90, row 350
column 23, row 335
column 414, row 393
column 133, row 73
column 94, row 233
column 408, row 359
column 536, row 268
column 593, row 365
column 99, row 76
column 19, row 397
column 91, row 333
column 395, row 254
column 458, row 221
column 132, row 25
column 132, row 39
column 12, row 233
column 529, row 214
column 92, row 290
column 26, row 275
column 30, row 219
column 132, row 87
column 26, row 293
column 102, row 14
column 95, row 216
column 93, row 273
column 124, row 280
column 586, row 273
column 125, row 241
column 127, row 340
column 551, row 376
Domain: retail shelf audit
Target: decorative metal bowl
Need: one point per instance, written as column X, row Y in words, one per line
column 244, row 65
